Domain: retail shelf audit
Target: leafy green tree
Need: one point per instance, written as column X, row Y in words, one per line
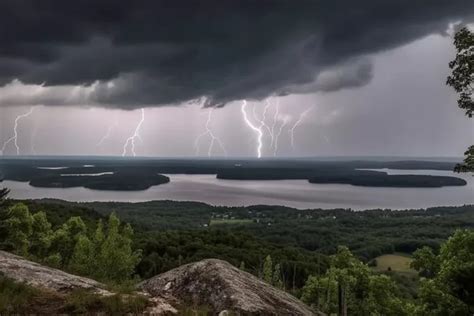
column 20, row 227
column 268, row 270
column 42, row 235
column 383, row 297
column 461, row 79
column 65, row 238
column 83, row 260
column 425, row 261
column 321, row 293
column 450, row 290
column 116, row 259
column 350, row 287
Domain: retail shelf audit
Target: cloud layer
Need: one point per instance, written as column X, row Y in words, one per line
column 146, row 53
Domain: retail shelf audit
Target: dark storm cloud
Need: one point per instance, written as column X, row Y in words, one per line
column 134, row 53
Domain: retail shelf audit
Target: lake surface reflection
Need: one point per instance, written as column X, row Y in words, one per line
column 293, row 193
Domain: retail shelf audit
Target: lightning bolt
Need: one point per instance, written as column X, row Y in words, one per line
column 211, row 135
column 264, row 118
column 130, row 142
column 275, row 120
column 297, row 123
column 257, row 130
column 14, row 138
column 107, row 134
column 285, row 121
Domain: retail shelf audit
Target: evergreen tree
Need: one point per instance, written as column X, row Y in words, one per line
column 268, row 270
column 276, row 278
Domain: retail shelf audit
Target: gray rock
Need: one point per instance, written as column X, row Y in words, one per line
column 222, row 287
column 36, row 275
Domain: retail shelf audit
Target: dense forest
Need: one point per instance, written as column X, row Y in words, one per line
column 367, row 233
column 297, row 250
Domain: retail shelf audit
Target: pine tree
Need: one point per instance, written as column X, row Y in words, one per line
column 276, row 279
column 268, row 270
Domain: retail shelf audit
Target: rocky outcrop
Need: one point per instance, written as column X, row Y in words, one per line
column 213, row 284
column 221, row 287
column 36, row 275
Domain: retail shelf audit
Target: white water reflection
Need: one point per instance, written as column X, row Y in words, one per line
column 293, row 193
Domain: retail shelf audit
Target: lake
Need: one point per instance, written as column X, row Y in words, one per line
column 294, row 193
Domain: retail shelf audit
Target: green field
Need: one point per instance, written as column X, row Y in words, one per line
column 230, row 221
column 399, row 262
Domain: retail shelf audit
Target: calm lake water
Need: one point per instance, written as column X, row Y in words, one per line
column 293, row 193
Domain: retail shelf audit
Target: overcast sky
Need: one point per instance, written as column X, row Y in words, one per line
column 347, row 78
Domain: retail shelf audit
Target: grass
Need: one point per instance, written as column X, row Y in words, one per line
column 200, row 311
column 398, row 262
column 230, row 221
column 21, row 299
column 82, row 302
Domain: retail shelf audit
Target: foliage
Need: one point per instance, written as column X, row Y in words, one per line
column 173, row 233
column 461, row 79
column 20, row 228
column 21, row 299
column 104, row 256
column 462, row 67
column 364, row 292
column 14, row 296
column 268, row 270
column 113, row 253
column 163, row 251
column 426, row 262
column 82, row 302
column 468, row 164
column 449, row 285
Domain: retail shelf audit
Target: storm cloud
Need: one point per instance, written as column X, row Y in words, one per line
column 128, row 54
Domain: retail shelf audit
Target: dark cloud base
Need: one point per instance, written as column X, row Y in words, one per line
column 135, row 53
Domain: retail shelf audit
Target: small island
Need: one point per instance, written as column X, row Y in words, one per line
column 121, row 181
column 385, row 180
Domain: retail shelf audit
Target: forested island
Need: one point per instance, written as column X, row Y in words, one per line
column 120, row 181
column 384, row 180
